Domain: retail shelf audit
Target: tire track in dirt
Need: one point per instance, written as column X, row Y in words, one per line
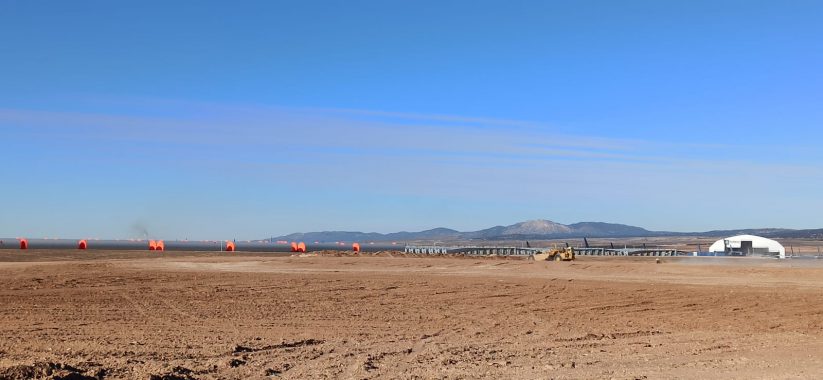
column 405, row 318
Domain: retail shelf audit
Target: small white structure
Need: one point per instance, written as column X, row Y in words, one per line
column 745, row 245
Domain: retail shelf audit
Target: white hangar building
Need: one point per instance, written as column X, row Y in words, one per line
column 746, row 245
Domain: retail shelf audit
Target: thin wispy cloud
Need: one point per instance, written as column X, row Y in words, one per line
column 318, row 158
column 290, row 129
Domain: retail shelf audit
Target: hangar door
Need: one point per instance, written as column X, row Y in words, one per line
column 746, row 248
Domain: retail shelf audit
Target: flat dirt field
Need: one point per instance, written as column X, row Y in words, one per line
column 171, row 315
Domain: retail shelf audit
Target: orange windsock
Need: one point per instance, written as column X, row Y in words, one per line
column 301, row 247
column 152, row 245
column 355, row 247
column 82, row 244
column 161, row 246
column 293, row 247
column 24, row 244
column 229, row 246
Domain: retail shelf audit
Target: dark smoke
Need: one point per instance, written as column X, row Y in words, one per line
column 141, row 230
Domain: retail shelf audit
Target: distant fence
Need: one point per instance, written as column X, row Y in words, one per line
column 520, row 251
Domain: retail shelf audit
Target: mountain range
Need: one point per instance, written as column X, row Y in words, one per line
column 537, row 229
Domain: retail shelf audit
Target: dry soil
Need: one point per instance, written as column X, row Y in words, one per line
column 140, row 315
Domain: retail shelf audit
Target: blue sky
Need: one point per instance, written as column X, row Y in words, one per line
column 200, row 119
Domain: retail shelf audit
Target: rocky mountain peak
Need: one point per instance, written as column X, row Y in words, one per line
column 537, row 227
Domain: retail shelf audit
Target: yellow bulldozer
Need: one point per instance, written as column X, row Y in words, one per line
column 555, row 254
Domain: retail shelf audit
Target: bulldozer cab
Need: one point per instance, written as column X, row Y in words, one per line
column 565, row 254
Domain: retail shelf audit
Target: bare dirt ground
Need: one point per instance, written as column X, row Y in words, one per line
column 140, row 315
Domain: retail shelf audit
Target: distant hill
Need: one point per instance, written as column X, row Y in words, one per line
column 800, row 234
column 598, row 229
column 540, row 229
column 765, row 232
column 532, row 229
column 784, row 233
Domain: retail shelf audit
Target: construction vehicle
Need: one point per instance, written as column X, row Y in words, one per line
column 555, row 254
